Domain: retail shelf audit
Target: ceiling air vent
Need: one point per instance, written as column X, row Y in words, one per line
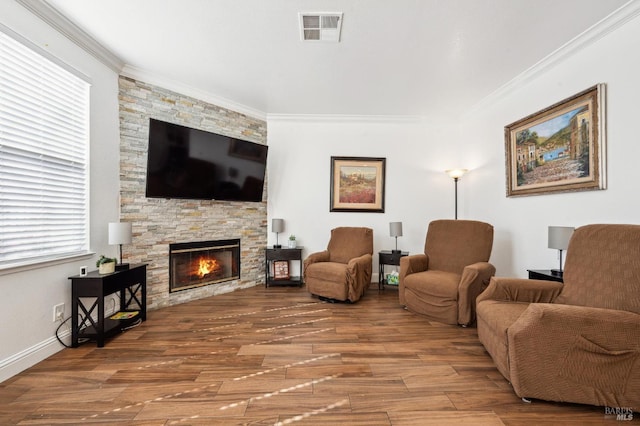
column 320, row 26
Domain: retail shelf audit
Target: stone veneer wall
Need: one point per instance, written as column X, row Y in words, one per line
column 158, row 222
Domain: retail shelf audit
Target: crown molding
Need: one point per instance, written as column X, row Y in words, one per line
column 353, row 118
column 607, row 25
column 178, row 87
column 66, row 27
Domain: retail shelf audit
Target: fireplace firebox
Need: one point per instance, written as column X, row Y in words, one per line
column 196, row 264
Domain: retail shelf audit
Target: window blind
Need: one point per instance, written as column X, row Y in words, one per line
column 44, row 121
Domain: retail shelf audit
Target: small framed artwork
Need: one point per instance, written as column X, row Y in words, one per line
column 357, row 184
column 559, row 149
column 281, row 270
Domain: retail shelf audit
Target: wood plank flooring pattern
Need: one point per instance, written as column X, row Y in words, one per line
column 278, row 356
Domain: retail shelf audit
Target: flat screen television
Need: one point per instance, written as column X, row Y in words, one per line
column 194, row 164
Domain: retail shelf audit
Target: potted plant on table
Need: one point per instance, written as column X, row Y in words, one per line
column 292, row 241
column 106, row 265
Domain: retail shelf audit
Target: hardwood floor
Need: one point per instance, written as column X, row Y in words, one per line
column 278, row 356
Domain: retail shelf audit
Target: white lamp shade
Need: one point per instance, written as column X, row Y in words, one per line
column 559, row 237
column 120, row 233
column 456, row 173
column 277, row 225
column 395, row 229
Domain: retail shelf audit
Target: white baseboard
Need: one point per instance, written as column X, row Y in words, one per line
column 29, row 357
column 19, row 362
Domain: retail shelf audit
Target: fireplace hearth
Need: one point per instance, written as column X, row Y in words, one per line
column 195, row 264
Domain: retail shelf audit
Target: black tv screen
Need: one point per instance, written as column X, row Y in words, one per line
column 189, row 163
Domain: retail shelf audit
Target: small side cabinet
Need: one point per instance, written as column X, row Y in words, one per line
column 87, row 303
column 277, row 266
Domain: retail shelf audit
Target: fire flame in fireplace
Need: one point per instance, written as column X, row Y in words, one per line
column 206, row 266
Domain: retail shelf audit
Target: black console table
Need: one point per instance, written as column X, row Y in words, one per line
column 90, row 322
column 544, row 274
column 272, row 255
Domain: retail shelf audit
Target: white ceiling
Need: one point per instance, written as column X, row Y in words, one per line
column 396, row 57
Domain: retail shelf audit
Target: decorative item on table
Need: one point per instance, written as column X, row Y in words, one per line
column 395, row 230
column 292, row 241
column 456, row 174
column 120, row 233
column 106, row 265
column 559, row 237
column 393, row 278
column 281, row 270
column 121, row 315
column 277, row 226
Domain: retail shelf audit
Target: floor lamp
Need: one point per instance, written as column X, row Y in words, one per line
column 456, row 174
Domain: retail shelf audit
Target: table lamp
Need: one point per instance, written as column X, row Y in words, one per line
column 277, row 226
column 559, row 237
column 120, row 233
column 395, row 230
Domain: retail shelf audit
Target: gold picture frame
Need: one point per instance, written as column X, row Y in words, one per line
column 560, row 148
column 357, row 184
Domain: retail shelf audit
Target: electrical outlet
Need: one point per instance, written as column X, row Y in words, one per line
column 58, row 312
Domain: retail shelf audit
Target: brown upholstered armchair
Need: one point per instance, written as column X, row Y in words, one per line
column 342, row 271
column 443, row 283
column 578, row 342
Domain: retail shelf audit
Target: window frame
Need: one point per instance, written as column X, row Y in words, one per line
column 84, row 252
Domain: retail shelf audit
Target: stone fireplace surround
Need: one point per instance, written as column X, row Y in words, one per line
column 158, row 222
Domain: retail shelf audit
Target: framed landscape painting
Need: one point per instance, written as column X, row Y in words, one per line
column 357, row 184
column 561, row 148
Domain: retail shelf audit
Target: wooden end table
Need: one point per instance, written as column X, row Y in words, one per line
column 391, row 258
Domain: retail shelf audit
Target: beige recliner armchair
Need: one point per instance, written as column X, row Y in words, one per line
column 578, row 342
column 443, row 283
column 342, row 271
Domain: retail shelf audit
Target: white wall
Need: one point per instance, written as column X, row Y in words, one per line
column 27, row 297
column 417, row 189
column 521, row 223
